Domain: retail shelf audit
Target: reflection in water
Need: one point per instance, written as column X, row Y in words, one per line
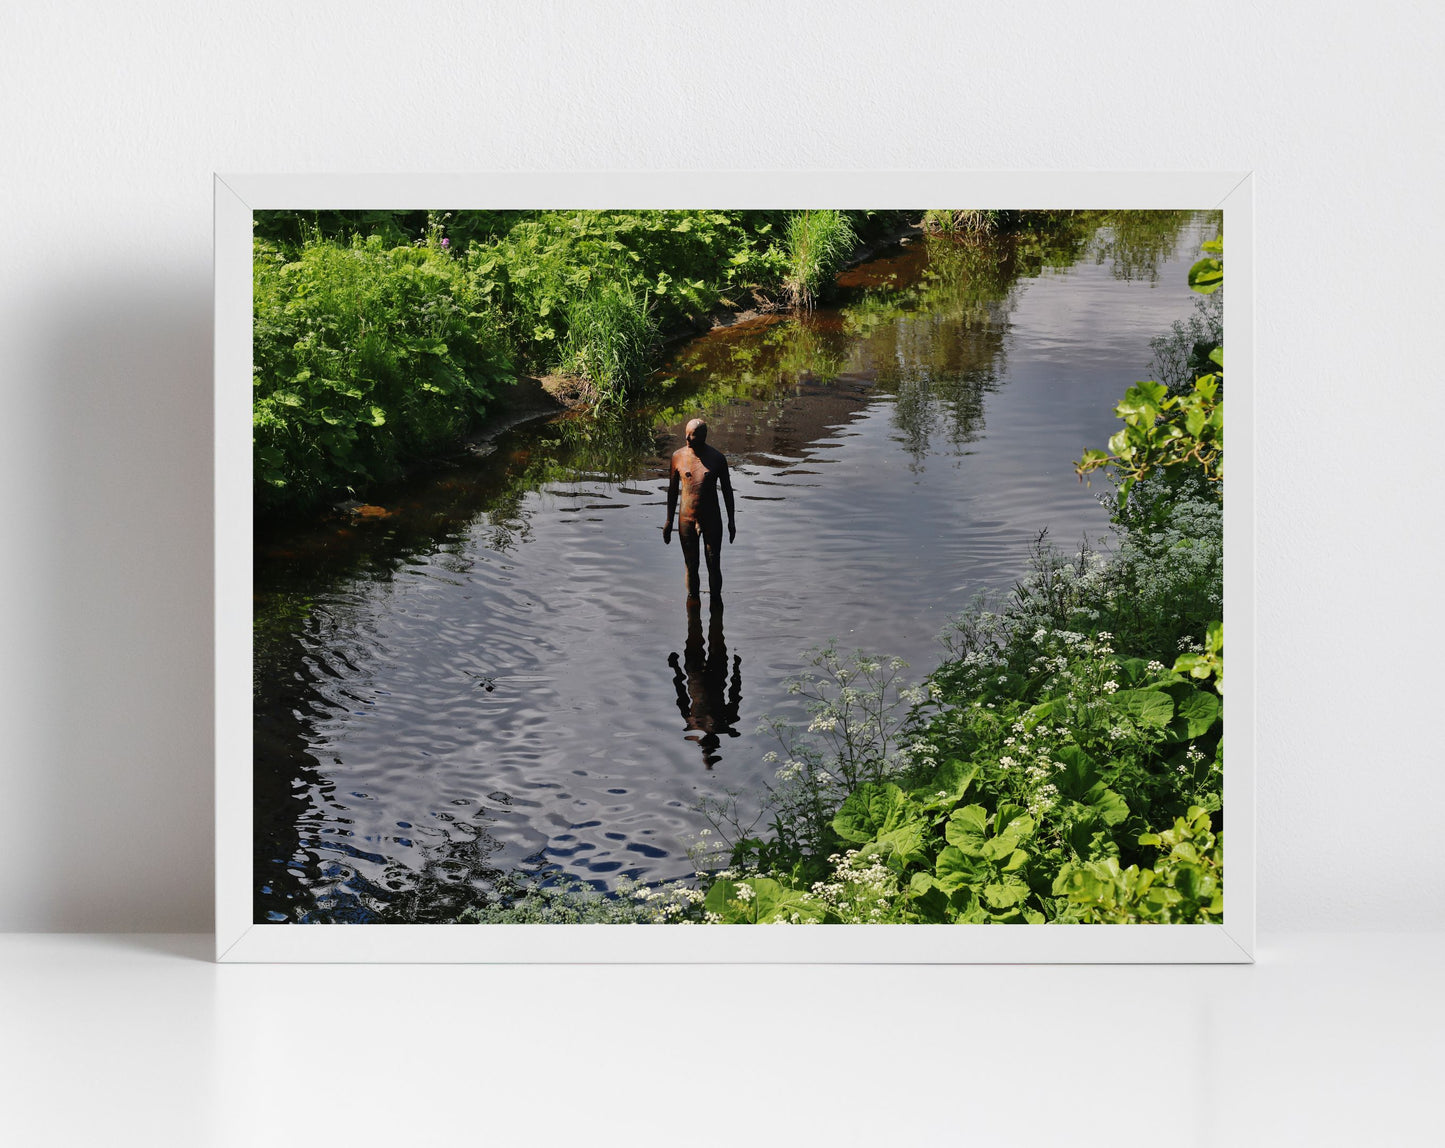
column 707, row 697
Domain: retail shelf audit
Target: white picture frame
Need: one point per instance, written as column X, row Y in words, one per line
column 240, row 939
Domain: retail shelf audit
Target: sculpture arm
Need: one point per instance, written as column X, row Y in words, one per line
column 672, row 492
column 725, row 481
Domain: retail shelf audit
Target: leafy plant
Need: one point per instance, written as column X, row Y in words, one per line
column 1185, row 886
column 1169, row 431
column 365, row 355
column 1162, row 431
column 1208, row 661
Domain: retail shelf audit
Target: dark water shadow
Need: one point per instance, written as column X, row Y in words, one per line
column 122, row 804
column 709, row 684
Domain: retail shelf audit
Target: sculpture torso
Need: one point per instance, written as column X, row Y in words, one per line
column 697, row 473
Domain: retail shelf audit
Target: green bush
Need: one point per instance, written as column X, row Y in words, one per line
column 365, row 355
column 991, row 798
column 684, row 263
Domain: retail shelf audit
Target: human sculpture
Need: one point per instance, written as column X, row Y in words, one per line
column 697, row 473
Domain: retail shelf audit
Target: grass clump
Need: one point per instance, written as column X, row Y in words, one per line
column 964, row 224
column 817, row 246
column 611, row 338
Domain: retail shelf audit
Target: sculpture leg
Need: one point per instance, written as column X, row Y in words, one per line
column 712, row 548
column 687, row 536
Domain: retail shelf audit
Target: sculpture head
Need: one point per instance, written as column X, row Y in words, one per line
column 696, row 433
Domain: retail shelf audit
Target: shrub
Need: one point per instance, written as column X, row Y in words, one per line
column 1014, row 804
column 683, row 263
column 364, row 356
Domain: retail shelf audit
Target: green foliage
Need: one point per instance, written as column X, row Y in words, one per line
column 1208, row 662
column 818, row 244
column 374, row 349
column 1207, row 275
column 364, row 355
column 1163, row 431
column 1184, row 886
column 684, row 264
column 1063, row 771
column 1170, row 430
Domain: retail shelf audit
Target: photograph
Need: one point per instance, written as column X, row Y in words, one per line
column 761, row 566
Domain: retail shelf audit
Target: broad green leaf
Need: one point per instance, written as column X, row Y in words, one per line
column 1134, row 669
column 954, row 870
column 927, row 898
column 1020, row 826
column 1006, row 896
column 776, row 902
column 1206, row 276
column 1007, row 811
column 1038, row 713
column 952, row 781
column 719, row 898
column 1147, row 707
column 1111, row 808
column 1195, row 712
column 1078, row 773
column 900, row 847
column 870, row 810
column 967, row 829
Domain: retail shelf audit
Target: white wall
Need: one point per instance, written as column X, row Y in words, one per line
column 112, row 118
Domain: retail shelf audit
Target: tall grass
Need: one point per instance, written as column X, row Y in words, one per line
column 611, row 337
column 817, row 245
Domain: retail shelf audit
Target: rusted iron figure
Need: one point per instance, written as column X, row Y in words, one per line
column 698, row 472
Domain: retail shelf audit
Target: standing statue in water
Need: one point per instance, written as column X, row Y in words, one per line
column 698, row 472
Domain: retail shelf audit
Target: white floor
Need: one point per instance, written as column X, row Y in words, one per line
column 121, row 1040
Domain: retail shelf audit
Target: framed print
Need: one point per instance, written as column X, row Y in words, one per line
column 699, row 551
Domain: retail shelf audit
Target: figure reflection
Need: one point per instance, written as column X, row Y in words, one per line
column 707, row 697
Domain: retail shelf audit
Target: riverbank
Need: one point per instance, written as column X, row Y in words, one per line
column 382, row 340
column 372, row 354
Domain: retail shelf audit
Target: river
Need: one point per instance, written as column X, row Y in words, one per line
column 500, row 673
